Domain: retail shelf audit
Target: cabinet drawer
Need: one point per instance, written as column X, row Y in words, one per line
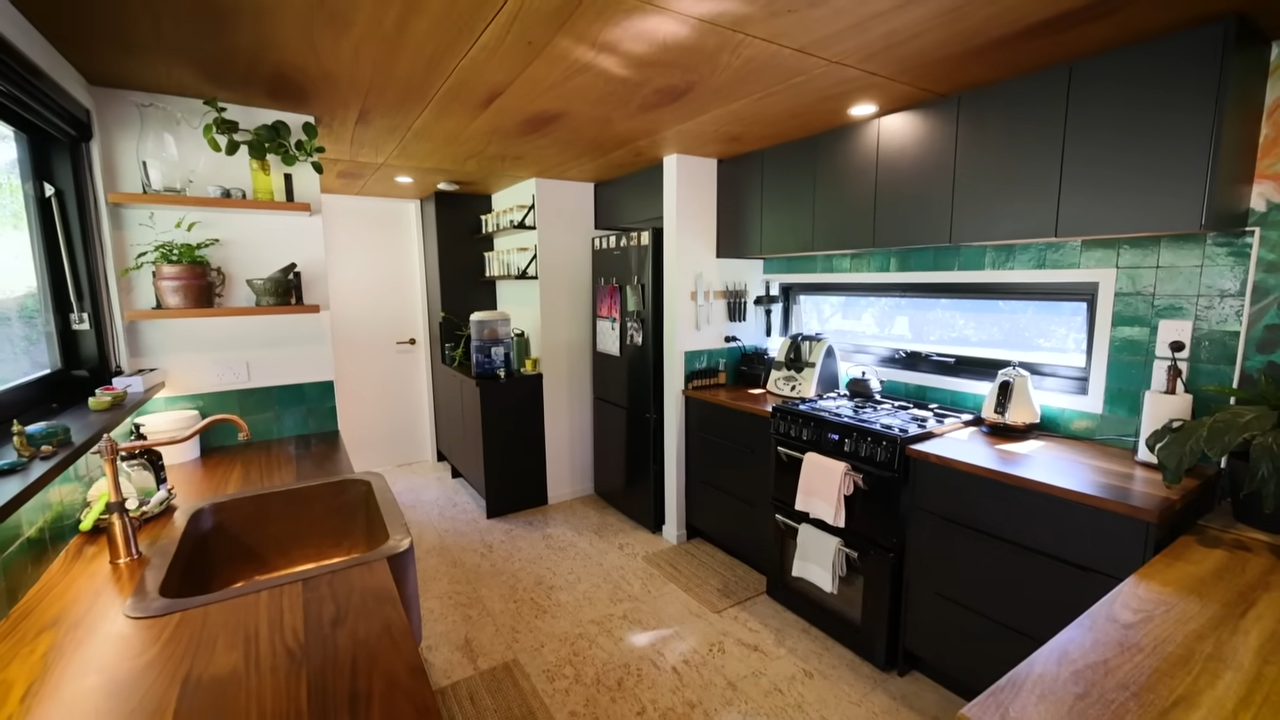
column 746, row 430
column 1108, row 543
column 731, row 525
column 970, row 649
column 1028, row 592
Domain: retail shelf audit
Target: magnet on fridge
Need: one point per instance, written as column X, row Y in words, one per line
column 595, row 243
column 644, row 237
column 635, row 331
column 624, row 241
column 613, row 241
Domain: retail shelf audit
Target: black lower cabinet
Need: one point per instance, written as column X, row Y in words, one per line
column 727, row 472
column 994, row 571
column 492, row 434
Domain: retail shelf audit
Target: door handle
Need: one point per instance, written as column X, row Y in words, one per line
column 410, row 341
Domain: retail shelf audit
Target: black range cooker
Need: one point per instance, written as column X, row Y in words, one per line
column 871, row 435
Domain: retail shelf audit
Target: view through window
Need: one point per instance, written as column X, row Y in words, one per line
column 1051, row 332
column 28, row 338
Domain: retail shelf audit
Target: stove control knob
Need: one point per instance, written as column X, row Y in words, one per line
column 794, row 430
column 864, row 449
column 848, row 445
column 884, row 453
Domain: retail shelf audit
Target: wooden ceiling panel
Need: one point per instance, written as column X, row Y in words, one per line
column 487, row 92
column 950, row 45
column 614, row 73
column 383, row 182
column 365, row 70
column 802, row 107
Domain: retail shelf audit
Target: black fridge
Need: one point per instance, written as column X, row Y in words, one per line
column 626, row 373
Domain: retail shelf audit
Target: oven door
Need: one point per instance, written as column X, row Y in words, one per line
column 871, row 511
column 863, row 614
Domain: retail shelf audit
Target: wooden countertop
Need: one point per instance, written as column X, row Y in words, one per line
column 1085, row 472
column 753, row 400
column 1192, row 634
column 337, row 645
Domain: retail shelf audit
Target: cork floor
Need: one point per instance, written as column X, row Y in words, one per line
column 562, row 590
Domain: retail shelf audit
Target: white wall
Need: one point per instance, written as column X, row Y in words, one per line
column 280, row 349
column 689, row 247
column 521, row 298
column 566, row 223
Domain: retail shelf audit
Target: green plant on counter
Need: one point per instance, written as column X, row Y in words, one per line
column 263, row 140
column 460, row 353
column 171, row 246
column 1252, row 423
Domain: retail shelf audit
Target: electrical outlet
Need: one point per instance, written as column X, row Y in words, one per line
column 1170, row 330
column 233, row 372
column 1158, row 374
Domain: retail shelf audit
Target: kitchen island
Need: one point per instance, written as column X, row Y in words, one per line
column 337, row 645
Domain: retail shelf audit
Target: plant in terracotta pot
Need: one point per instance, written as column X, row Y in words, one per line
column 184, row 277
column 1247, row 434
column 262, row 142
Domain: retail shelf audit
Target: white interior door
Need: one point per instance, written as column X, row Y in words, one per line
column 373, row 249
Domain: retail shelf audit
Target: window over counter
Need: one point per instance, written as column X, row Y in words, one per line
column 56, row 339
column 967, row 331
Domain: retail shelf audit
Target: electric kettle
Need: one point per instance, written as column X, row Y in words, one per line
column 1011, row 407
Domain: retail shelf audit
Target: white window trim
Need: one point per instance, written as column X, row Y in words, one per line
column 1105, row 277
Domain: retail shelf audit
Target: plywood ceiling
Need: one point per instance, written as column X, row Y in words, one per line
column 488, row 92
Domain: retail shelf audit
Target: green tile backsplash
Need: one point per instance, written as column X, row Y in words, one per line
column 272, row 412
column 1199, row 277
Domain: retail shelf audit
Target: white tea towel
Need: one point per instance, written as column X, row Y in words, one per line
column 824, row 482
column 819, row 558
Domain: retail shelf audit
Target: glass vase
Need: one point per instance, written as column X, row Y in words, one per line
column 161, row 163
column 260, row 171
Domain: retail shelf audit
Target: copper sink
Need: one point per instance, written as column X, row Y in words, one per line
column 245, row 542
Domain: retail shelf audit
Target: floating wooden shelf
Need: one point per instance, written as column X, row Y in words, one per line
column 152, row 314
column 505, row 231
column 145, row 201
column 510, row 277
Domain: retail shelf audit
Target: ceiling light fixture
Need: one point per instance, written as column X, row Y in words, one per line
column 403, row 179
column 447, row 186
column 864, row 109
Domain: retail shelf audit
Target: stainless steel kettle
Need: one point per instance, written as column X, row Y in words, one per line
column 1011, row 407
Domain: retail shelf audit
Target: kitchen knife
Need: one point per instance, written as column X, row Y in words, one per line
column 700, row 288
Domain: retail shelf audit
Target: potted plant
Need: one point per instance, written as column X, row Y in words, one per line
column 183, row 278
column 262, row 142
column 1247, row 434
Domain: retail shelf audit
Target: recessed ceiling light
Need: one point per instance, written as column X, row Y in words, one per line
column 864, row 109
column 403, row 179
column 447, row 186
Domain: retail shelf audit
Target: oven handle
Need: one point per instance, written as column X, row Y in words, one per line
column 783, row 521
column 792, row 453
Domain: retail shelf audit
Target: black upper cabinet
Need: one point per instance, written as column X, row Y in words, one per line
column 1144, row 125
column 631, row 201
column 1009, row 159
column 844, row 192
column 786, row 218
column 915, row 174
column 738, row 207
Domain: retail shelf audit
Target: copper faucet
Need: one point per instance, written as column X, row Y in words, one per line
column 122, row 536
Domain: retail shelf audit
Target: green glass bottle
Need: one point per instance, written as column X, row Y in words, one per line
column 260, row 170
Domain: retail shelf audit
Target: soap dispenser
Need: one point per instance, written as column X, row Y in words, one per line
column 145, row 467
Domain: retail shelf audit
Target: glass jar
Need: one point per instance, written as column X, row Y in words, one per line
column 260, row 172
column 163, row 167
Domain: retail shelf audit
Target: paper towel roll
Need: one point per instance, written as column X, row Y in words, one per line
column 1159, row 408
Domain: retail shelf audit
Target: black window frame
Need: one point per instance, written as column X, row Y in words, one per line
column 1051, row 378
column 58, row 130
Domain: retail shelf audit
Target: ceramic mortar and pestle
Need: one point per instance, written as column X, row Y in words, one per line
column 274, row 289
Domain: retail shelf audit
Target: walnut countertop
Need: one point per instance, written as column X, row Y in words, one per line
column 1090, row 473
column 337, row 645
column 1192, row 634
column 753, row 400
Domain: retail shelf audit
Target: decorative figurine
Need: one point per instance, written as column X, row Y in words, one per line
column 25, row 451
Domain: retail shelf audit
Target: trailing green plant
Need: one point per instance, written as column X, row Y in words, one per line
column 461, row 352
column 1253, row 423
column 264, row 140
column 171, row 246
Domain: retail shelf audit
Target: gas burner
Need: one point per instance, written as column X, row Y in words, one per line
column 891, row 416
